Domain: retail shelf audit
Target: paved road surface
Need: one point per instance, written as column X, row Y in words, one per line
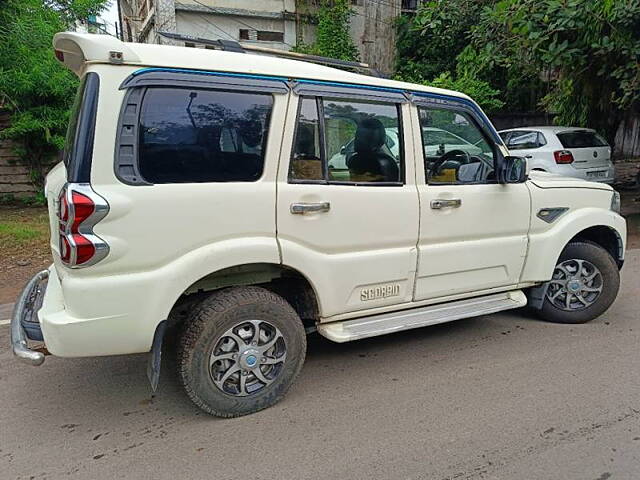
column 498, row 397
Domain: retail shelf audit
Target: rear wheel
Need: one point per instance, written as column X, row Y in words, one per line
column 240, row 351
column 585, row 283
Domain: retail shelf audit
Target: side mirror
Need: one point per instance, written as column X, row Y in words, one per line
column 512, row 170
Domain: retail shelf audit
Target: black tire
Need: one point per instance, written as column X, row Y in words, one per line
column 600, row 258
column 208, row 323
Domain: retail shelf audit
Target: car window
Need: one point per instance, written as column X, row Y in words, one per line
column 194, row 135
column 581, row 139
column 455, row 149
column 359, row 144
column 521, row 140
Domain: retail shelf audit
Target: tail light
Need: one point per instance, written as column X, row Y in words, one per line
column 563, row 157
column 79, row 209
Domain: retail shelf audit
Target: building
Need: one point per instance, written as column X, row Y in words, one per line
column 279, row 24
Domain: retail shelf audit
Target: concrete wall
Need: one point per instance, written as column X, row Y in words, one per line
column 228, row 27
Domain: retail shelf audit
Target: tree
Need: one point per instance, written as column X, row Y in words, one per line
column 588, row 52
column 34, row 86
column 432, row 47
column 332, row 34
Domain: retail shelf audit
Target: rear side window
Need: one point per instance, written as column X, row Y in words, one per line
column 196, row 135
column 78, row 145
column 521, row 140
column 347, row 142
column 581, row 139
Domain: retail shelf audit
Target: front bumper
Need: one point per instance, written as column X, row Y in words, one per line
column 23, row 325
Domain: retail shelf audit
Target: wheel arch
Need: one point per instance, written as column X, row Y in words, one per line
column 285, row 281
column 606, row 237
column 603, row 227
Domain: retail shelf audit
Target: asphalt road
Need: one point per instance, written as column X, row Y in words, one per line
column 498, row 397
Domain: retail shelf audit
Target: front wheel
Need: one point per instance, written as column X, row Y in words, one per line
column 585, row 283
column 240, row 351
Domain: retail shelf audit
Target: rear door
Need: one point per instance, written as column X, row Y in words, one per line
column 351, row 227
column 589, row 149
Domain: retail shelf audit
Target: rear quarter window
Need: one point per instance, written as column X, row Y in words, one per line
column 581, row 139
column 197, row 135
column 78, row 145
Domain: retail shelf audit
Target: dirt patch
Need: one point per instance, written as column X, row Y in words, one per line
column 24, row 248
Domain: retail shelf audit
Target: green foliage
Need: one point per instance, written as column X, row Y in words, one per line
column 479, row 90
column 588, row 53
column 433, row 50
column 429, row 43
column 332, row 34
column 34, row 86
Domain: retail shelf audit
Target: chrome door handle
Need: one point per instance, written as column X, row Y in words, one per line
column 441, row 203
column 302, row 208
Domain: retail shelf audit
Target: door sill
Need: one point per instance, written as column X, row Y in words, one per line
column 375, row 325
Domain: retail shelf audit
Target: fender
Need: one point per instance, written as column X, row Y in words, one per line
column 545, row 246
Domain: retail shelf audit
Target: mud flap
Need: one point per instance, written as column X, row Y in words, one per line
column 153, row 368
column 536, row 296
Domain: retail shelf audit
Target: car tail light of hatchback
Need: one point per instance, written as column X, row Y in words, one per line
column 563, row 157
column 79, row 209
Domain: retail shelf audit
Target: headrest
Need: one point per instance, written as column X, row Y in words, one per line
column 370, row 135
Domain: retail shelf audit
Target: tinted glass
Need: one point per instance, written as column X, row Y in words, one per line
column 455, row 150
column 581, row 139
column 361, row 141
column 73, row 123
column 193, row 135
column 306, row 162
column 521, row 140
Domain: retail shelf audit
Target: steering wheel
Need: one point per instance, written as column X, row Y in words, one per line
column 462, row 158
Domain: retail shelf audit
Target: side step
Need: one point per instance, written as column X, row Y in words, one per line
column 382, row 324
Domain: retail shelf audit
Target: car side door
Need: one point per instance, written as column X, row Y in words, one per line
column 473, row 230
column 349, row 225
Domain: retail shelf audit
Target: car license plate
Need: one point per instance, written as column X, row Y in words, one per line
column 598, row 174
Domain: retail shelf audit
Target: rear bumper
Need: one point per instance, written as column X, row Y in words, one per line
column 602, row 173
column 24, row 322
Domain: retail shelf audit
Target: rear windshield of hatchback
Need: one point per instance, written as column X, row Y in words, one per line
column 581, row 139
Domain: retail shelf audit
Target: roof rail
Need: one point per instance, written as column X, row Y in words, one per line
column 232, row 46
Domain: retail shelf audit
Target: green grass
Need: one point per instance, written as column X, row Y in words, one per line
column 19, row 233
column 22, row 229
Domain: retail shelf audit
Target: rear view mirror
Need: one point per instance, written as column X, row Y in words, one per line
column 514, row 170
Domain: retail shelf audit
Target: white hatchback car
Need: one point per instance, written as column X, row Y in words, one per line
column 568, row 151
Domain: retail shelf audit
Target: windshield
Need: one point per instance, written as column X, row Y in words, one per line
column 581, row 139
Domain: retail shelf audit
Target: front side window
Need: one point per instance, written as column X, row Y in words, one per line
column 455, row 149
column 196, row 135
column 343, row 141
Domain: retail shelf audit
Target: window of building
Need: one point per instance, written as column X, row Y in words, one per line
column 455, row 148
column 261, row 35
column 266, row 36
column 196, row 135
column 344, row 141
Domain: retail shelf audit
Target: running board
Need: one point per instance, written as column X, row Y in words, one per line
column 382, row 324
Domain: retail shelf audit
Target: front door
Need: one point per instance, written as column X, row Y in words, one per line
column 347, row 213
column 473, row 230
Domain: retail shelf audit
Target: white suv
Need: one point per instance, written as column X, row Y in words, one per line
column 568, row 151
column 195, row 202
